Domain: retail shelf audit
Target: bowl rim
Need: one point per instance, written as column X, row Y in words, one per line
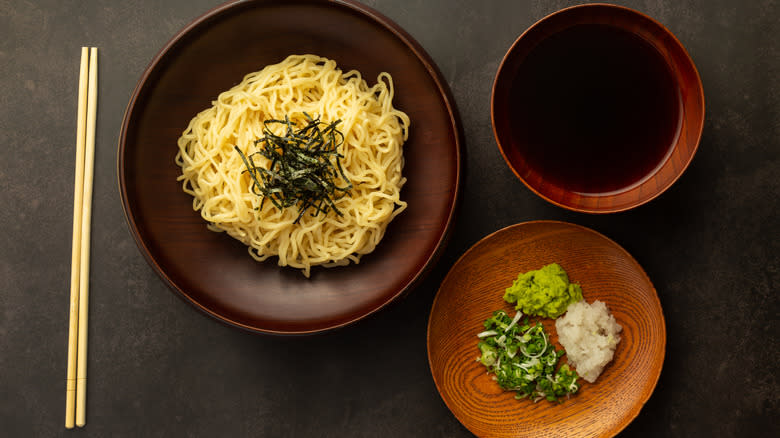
column 699, row 127
column 441, row 87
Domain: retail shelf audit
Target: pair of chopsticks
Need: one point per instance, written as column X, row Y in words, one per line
column 76, row 382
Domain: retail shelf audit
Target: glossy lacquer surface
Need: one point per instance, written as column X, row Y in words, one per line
column 474, row 288
column 211, row 270
column 597, row 108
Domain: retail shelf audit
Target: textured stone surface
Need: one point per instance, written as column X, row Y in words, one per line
column 159, row 368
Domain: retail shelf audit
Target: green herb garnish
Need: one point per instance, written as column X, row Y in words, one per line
column 523, row 360
column 304, row 166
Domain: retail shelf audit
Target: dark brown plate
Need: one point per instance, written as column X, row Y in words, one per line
column 474, row 288
column 213, row 271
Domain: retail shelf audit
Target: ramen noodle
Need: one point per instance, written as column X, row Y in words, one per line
column 214, row 173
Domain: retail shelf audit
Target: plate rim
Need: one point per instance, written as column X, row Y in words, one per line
column 384, row 23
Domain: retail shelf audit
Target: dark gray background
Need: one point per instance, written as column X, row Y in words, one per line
column 157, row 367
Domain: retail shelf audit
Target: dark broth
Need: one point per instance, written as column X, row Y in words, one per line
column 596, row 109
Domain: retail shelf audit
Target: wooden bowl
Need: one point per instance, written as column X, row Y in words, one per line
column 213, row 271
column 474, row 288
column 654, row 173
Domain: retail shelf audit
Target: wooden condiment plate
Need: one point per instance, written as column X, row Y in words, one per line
column 474, row 288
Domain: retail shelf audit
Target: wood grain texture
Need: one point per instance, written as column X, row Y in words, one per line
column 213, row 271
column 682, row 68
column 474, row 288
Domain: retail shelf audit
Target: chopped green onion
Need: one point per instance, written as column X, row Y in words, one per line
column 530, row 374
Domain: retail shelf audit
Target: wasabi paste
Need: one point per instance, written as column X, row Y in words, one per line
column 545, row 292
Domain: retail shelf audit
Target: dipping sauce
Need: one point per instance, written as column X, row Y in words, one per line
column 596, row 109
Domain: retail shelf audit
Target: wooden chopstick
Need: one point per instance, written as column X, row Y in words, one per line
column 76, row 381
column 89, row 161
column 78, row 192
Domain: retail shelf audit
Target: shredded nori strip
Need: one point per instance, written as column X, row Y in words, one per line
column 305, row 166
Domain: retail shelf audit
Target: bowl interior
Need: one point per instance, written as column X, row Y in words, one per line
column 213, row 271
column 686, row 80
